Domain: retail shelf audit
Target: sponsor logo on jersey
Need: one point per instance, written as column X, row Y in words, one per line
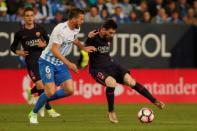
column 103, row 49
column 38, row 34
column 32, row 42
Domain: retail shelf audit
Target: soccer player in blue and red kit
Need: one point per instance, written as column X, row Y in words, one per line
column 108, row 73
column 33, row 39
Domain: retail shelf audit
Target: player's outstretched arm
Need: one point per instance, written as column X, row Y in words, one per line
column 57, row 54
column 87, row 48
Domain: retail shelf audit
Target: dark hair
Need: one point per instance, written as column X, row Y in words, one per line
column 94, row 6
column 75, row 13
column 108, row 24
column 28, row 9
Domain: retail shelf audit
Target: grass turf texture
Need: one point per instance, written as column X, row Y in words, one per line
column 176, row 117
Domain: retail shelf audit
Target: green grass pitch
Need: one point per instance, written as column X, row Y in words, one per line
column 92, row 117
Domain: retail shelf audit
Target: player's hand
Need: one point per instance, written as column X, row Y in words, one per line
column 92, row 33
column 41, row 43
column 22, row 53
column 90, row 49
column 73, row 67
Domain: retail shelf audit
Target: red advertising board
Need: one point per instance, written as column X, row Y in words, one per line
column 168, row 85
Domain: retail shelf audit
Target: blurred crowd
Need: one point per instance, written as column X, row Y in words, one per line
column 122, row 11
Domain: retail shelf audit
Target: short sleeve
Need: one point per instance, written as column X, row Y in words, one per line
column 56, row 36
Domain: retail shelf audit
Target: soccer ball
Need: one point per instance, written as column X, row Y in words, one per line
column 145, row 115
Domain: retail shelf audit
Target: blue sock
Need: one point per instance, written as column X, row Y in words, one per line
column 43, row 99
column 58, row 94
column 40, row 103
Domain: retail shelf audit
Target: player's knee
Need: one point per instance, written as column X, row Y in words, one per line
column 50, row 89
column 50, row 93
column 69, row 90
column 129, row 80
column 110, row 82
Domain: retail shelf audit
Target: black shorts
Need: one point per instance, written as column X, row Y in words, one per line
column 33, row 69
column 114, row 70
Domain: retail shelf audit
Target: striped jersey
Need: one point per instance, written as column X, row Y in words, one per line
column 64, row 36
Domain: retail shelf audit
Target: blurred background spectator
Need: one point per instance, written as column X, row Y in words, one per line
column 101, row 5
column 161, row 17
column 58, row 18
column 183, row 7
column 38, row 15
column 18, row 16
column 141, row 8
column 45, row 10
column 132, row 18
column 104, row 14
column 123, row 11
column 190, row 17
column 118, row 16
column 170, row 7
column 146, row 17
column 112, row 5
column 155, row 5
column 127, row 7
column 30, row 3
column 3, row 5
column 175, row 18
column 195, row 7
column 4, row 16
column 80, row 4
column 93, row 15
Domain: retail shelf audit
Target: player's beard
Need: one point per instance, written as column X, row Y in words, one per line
column 77, row 26
column 108, row 38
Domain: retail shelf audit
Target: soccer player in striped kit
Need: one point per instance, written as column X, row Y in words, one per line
column 54, row 66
